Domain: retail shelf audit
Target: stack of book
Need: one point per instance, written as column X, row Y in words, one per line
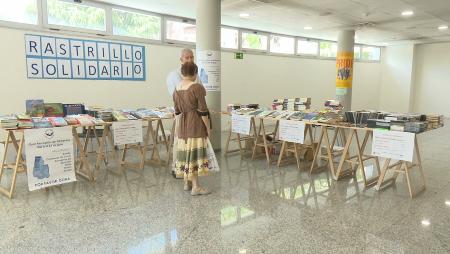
column 231, row 107
column 435, row 121
column 301, row 104
column 277, row 104
column 8, row 122
column 24, row 121
column 41, row 122
column 294, row 104
column 144, row 113
column 57, row 121
column 333, row 104
column 119, row 116
column 82, row 119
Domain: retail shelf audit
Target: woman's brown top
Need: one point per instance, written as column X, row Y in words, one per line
column 191, row 104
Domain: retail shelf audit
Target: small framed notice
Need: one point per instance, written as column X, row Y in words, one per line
column 393, row 145
column 292, row 131
column 241, row 124
column 127, row 132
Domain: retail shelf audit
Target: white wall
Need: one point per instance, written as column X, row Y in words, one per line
column 255, row 79
column 396, row 78
column 432, row 79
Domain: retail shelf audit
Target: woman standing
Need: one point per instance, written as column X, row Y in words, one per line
column 194, row 129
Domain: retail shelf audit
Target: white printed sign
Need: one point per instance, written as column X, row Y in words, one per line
column 128, row 132
column 50, row 157
column 292, row 131
column 241, row 124
column 208, row 62
column 393, row 144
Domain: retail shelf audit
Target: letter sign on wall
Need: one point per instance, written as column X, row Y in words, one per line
column 66, row 58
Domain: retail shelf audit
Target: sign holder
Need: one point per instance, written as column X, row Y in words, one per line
column 265, row 143
column 403, row 167
column 19, row 166
column 249, row 140
column 294, row 148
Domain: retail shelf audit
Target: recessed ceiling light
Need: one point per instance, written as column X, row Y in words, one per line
column 447, row 202
column 443, row 27
column 426, row 223
column 244, row 15
column 242, row 251
column 307, row 28
column 407, row 13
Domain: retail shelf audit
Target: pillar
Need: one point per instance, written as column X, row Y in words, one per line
column 344, row 68
column 208, row 60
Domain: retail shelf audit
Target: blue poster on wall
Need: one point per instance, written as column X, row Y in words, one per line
column 67, row 58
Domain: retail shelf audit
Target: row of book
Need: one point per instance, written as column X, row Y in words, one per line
column 294, row 104
column 234, row 106
column 94, row 115
column 415, row 123
column 324, row 116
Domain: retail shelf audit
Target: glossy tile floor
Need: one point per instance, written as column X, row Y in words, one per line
column 253, row 209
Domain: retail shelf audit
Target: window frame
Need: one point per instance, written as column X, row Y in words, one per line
column 238, row 42
column 370, row 60
column 242, row 31
column 327, row 57
column 360, row 51
column 269, row 42
column 43, row 27
column 307, row 55
column 180, row 20
column 21, row 25
column 108, row 19
column 124, row 37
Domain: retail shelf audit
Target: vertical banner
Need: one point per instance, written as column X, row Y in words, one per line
column 208, row 62
column 50, row 157
column 344, row 70
column 292, row 131
column 128, row 132
column 240, row 124
column 393, row 144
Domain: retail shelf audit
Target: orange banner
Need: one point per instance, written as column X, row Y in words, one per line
column 344, row 70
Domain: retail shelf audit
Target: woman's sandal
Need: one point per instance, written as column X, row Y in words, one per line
column 188, row 186
column 200, row 191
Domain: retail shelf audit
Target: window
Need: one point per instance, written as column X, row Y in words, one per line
column 254, row 41
column 180, row 31
column 371, row 53
column 22, row 11
column 229, row 38
column 357, row 52
column 307, row 47
column 282, row 44
column 328, row 49
column 135, row 24
column 77, row 15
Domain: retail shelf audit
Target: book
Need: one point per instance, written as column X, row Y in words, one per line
column 57, row 121
column 119, row 116
column 35, row 108
column 8, row 122
column 73, row 109
column 41, row 122
column 54, row 109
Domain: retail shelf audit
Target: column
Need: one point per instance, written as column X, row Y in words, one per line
column 344, row 68
column 208, row 60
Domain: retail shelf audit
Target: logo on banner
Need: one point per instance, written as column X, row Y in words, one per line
column 344, row 67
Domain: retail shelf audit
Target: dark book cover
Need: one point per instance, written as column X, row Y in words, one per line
column 73, row 109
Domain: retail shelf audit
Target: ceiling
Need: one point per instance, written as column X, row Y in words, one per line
column 376, row 22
